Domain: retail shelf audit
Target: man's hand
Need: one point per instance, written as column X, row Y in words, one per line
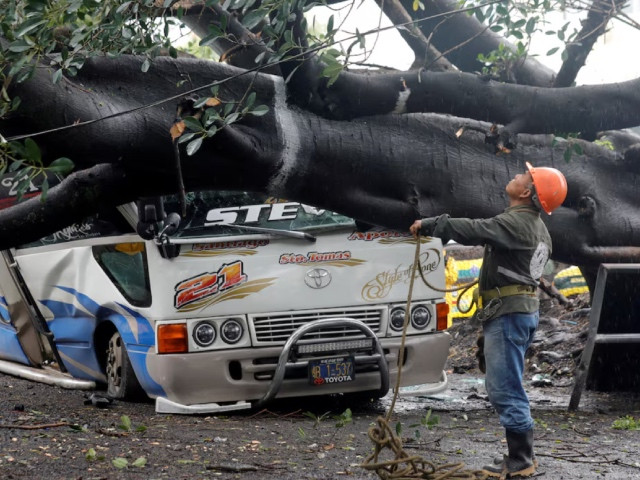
column 415, row 228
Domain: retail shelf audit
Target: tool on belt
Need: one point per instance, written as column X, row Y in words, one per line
column 488, row 302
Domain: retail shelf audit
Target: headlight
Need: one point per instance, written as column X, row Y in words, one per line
column 231, row 331
column 204, row 334
column 420, row 317
column 397, row 318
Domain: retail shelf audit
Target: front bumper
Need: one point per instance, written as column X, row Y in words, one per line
column 230, row 379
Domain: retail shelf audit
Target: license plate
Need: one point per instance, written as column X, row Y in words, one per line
column 331, row 370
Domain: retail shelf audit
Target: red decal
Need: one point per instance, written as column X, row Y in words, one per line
column 209, row 284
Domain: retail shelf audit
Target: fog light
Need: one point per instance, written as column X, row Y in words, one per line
column 420, row 317
column 397, row 318
column 204, row 334
column 343, row 346
column 231, row 331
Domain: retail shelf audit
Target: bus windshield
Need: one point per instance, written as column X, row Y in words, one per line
column 214, row 213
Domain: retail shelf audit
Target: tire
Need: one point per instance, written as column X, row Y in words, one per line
column 121, row 379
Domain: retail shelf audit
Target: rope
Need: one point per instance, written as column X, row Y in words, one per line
column 464, row 287
column 403, row 466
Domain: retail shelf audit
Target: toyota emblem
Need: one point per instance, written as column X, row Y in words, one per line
column 317, row 278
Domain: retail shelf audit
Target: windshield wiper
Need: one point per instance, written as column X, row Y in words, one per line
column 273, row 231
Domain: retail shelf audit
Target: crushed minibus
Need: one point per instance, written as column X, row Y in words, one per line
column 242, row 300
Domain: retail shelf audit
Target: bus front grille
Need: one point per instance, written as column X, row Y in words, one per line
column 276, row 328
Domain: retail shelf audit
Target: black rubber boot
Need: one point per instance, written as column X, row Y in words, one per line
column 520, row 462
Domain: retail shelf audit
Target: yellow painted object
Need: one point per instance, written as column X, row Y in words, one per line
column 461, row 272
column 570, row 282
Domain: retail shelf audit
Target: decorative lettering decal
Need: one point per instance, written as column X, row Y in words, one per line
column 75, row 231
column 209, row 284
column 314, row 257
column 378, row 235
column 270, row 212
column 237, row 247
column 337, row 259
column 380, row 286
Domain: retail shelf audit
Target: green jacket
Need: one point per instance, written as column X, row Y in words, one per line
column 517, row 247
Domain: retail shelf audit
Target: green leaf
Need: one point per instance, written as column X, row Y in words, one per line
column 22, row 186
column 62, row 165
column 140, row 462
column 577, row 148
column 29, row 25
column 531, row 25
column 120, row 462
column 259, row 111
column 231, row 118
column 519, row 24
column 145, row 65
column 19, row 46
column 567, row 155
column 123, row 7
column 125, row 423
column 192, row 123
column 44, row 189
column 332, row 71
column 330, row 24
column 250, row 100
column 398, row 428
column 187, row 137
column 194, row 145
column 32, row 151
column 253, row 18
column 15, row 166
column 91, row 454
column 552, row 51
column 57, row 75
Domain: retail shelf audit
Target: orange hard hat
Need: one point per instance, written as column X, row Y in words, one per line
column 550, row 187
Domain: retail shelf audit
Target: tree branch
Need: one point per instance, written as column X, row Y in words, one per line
column 79, row 195
column 426, row 54
column 593, row 26
column 243, row 46
column 460, row 26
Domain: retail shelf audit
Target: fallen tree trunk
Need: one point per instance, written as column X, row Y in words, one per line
column 383, row 170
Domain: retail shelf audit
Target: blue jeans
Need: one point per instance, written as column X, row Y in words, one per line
column 506, row 339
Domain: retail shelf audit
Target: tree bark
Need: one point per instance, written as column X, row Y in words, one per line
column 384, row 170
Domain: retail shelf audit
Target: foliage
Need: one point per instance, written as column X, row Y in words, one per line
column 429, row 421
column 520, row 21
column 213, row 114
column 120, row 462
column 25, row 161
column 127, row 426
column 627, row 423
column 64, row 34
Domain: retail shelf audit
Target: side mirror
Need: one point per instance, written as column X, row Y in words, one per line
column 171, row 224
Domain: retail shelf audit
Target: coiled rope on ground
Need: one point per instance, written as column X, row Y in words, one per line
column 403, row 466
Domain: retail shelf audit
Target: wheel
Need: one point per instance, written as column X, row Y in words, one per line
column 121, row 379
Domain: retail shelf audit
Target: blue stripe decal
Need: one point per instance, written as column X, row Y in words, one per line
column 74, row 329
column 4, row 311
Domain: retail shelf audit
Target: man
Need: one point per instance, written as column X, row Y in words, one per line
column 517, row 247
